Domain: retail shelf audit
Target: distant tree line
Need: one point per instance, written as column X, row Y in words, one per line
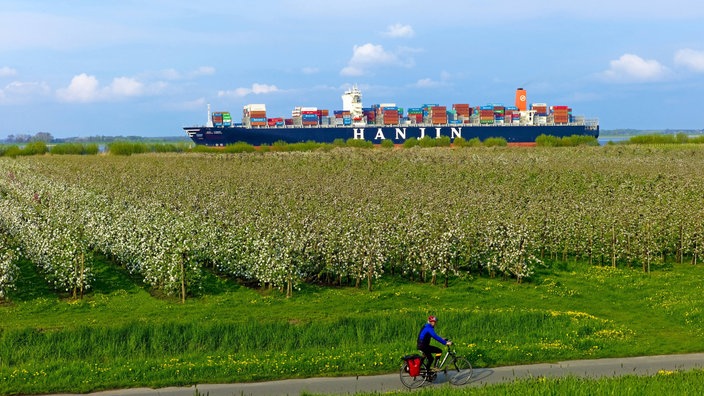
column 45, row 137
column 635, row 132
column 48, row 138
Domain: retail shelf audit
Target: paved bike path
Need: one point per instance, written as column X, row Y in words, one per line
column 645, row 365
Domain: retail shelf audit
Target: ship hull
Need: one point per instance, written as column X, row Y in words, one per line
column 222, row 136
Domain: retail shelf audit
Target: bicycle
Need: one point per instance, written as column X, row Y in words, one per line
column 457, row 369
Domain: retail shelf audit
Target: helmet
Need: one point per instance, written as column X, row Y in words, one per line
column 432, row 319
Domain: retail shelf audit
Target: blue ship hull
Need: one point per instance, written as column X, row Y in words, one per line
column 257, row 136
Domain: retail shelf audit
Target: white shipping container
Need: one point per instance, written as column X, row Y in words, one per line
column 255, row 107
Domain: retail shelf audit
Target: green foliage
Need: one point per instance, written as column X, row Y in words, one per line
column 566, row 141
column 387, row 143
column 411, row 142
column 495, row 142
column 462, row 142
column 31, row 148
column 122, row 336
column 658, row 384
column 443, row 141
column 35, row 148
column 459, row 142
column 74, row 149
column 11, row 151
column 473, row 142
column 426, row 142
column 127, row 148
column 359, row 143
column 205, row 149
column 284, row 146
column 678, row 138
column 179, row 147
column 239, row 147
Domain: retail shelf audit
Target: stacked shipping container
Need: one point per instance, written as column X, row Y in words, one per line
column 389, row 114
column 342, row 117
column 254, row 115
column 309, row 116
column 541, row 113
column 222, row 119
column 415, row 115
column 463, row 111
column 561, row 114
column 438, row 114
column 486, row 114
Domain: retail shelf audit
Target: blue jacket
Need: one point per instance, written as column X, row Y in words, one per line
column 424, row 337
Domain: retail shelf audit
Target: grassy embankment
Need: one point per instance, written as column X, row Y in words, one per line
column 122, row 336
column 663, row 383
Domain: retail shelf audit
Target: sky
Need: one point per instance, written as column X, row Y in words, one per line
column 150, row 67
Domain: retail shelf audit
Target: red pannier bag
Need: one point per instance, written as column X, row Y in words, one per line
column 413, row 362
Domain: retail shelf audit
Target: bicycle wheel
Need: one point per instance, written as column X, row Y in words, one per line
column 408, row 381
column 459, row 371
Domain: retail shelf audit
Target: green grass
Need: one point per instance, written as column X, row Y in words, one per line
column 121, row 335
column 664, row 383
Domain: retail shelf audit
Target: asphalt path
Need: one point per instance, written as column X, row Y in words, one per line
column 595, row 368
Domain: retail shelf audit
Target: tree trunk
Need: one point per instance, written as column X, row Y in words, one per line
column 613, row 246
column 183, row 278
column 679, row 248
column 83, row 270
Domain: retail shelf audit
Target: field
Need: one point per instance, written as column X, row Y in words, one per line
column 173, row 269
column 663, row 383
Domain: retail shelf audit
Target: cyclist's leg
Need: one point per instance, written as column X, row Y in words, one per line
column 433, row 350
column 428, row 357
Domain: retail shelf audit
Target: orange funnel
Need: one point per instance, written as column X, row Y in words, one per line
column 521, row 100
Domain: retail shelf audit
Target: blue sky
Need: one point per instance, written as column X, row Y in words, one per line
column 150, row 67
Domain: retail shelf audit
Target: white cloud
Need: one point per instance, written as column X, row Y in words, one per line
column 367, row 56
column 690, row 59
column 633, row 68
column 255, row 89
column 27, row 88
column 125, row 86
column 7, row 72
column 430, row 83
column 427, row 83
column 85, row 88
column 400, row 31
column 203, row 71
column 22, row 92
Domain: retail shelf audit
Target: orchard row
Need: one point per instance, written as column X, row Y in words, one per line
column 282, row 219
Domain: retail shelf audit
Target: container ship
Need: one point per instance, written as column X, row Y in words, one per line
column 520, row 123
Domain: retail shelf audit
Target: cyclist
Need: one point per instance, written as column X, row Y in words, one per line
column 424, row 346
